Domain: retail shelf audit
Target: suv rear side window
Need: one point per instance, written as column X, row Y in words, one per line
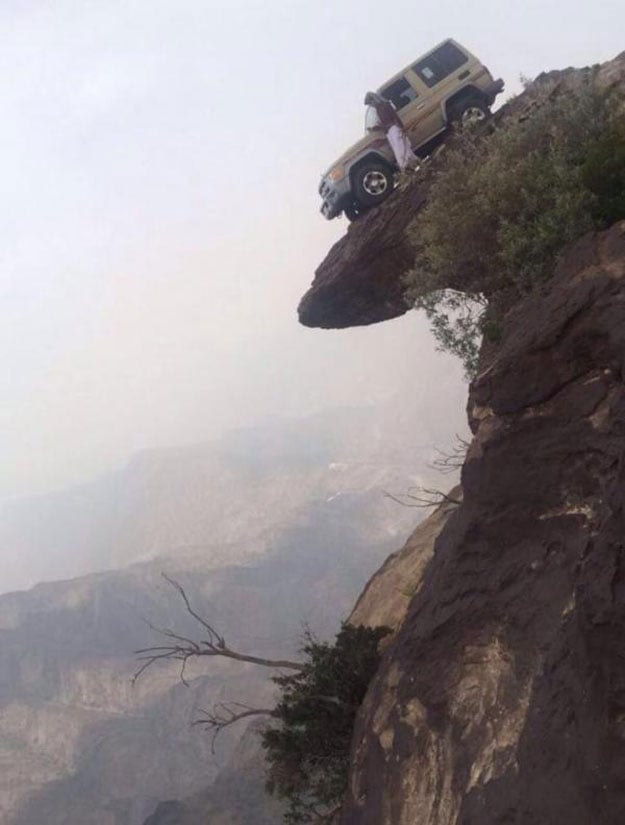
column 399, row 92
column 440, row 64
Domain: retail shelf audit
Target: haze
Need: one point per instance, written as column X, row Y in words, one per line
column 160, row 218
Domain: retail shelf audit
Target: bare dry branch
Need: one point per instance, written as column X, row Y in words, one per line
column 226, row 714
column 451, row 461
column 211, row 632
column 424, row 497
column 182, row 648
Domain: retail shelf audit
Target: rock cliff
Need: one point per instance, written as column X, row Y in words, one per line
column 385, row 599
column 501, row 699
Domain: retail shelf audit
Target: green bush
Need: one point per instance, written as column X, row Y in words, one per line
column 505, row 204
column 308, row 749
column 603, row 173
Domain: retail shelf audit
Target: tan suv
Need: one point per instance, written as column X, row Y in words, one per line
column 446, row 85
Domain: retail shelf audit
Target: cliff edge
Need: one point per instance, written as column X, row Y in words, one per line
column 502, row 697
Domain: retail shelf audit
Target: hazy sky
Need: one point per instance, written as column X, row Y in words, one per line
column 159, row 161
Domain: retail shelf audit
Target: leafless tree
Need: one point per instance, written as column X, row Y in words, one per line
column 209, row 643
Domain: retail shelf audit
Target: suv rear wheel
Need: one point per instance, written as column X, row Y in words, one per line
column 372, row 182
column 470, row 112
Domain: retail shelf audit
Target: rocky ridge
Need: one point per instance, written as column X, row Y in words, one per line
column 223, row 497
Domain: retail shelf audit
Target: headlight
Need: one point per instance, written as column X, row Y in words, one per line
column 337, row 173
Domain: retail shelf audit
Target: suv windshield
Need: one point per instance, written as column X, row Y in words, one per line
column 371, row 118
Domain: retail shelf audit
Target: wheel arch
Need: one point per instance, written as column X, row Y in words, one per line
column 371, row 155
column 469, row 92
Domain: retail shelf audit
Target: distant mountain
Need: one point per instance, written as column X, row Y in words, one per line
column 220, row 494
column 268, row 529
column 236, row 797
column 79, row 744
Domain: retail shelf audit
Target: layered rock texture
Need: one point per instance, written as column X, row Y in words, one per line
column 385, row 599
column 501, row 698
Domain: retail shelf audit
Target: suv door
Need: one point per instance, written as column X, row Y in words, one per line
column 419, row 122
column 440, row 73
column 406, row 98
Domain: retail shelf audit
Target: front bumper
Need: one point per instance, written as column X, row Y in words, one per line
column 333, row 195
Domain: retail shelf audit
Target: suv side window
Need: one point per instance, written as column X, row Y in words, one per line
column 440, row 64
column 400, row 93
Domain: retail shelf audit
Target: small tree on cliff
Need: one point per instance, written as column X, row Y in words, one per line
column 308, row 739
column 504, row 205
column 308, row 744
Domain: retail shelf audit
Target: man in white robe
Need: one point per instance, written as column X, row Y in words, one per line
column 390, row 123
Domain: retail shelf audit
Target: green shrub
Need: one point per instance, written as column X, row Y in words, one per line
column 603, row 173
column 506, row 203
column 308, row 750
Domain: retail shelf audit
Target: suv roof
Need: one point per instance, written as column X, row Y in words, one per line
column 421, row 57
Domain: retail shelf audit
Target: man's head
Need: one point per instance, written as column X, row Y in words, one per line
column 371, row 99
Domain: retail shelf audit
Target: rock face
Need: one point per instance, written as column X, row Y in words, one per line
column 358, row 283
column 361, row 280
column 501, row 700
column 386, row 597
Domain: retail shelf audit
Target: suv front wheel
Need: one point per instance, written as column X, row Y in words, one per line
column 372, row 183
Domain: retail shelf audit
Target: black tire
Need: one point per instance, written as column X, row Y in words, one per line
column 372, row 183
column 470, row 112
column 352, row 211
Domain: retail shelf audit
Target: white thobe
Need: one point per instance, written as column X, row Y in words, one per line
column 401, row 146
